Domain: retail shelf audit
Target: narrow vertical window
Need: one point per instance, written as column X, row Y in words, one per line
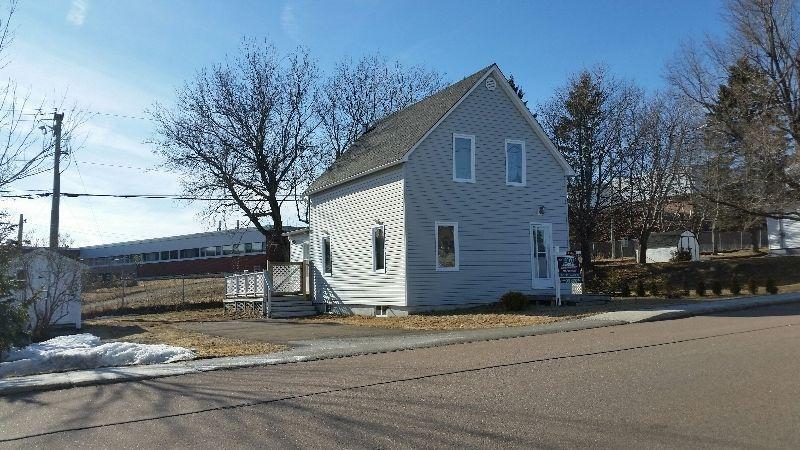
column 464, row 158
column 305, row 251
column 446, row 246
column 515, row 162
column 378, row 249
column 327, row 262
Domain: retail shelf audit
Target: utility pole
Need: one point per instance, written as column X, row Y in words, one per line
column 57, row 118
column 19, row 230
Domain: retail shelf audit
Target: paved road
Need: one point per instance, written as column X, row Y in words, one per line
column 730, row 380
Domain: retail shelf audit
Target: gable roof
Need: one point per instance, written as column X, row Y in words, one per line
column 392, row 139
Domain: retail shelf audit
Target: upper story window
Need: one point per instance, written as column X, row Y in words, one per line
column 379, row 249
column 464, row 158
column 327, row 256
column 446, row 246
column 515, row 162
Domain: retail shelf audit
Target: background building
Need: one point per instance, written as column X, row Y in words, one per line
column 210, row 252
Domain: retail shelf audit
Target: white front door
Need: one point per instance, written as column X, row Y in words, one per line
column 541, row 246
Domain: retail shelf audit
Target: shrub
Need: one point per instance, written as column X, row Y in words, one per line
column 736, row 286
column 716, row 287
column 640, row 292
column 513, row 301
column 624, row 288
column 655, row 288
column 681, row 255
column 752, row 286
column 13, row 326
column 771, row 287
column 700, row 288
column 671, row 292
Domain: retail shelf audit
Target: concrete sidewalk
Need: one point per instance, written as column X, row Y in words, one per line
column 337, row 348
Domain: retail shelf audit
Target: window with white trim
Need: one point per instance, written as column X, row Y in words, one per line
column 327, row 260
column 446, row 234
column 305, row 251
column 515, row 162
column 379, row 249
column 463, row 158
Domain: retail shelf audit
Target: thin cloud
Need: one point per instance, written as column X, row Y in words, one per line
column 289, row 22
column 77, row 12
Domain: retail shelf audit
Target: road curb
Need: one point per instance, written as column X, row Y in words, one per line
column 339, row 348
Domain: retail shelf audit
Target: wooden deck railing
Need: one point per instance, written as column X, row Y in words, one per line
column 280, row 278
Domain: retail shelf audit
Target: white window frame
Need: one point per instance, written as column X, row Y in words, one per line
column 536, row 282
column 524, row 169
column 322, row 252
column 471, row 137
column 438, row 224
column 372, row 234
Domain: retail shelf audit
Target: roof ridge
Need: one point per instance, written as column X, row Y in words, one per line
column 388, row 140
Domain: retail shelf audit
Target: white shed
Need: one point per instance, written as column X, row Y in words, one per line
column 784, row 236
column 661, row 247
column 55, row 281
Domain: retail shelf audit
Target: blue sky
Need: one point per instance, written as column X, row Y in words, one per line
column 121, row 56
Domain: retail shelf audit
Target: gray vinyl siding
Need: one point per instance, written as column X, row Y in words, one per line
column 493, row 218
column 347, row 213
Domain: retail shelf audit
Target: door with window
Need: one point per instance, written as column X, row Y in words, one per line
column 541, row 259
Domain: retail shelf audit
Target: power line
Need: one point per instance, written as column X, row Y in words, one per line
column 38, row 193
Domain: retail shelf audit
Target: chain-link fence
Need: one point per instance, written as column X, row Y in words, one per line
column 129, row 294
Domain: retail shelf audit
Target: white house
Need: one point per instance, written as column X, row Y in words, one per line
column 661, row 247
column 55, row 281
column 449, row 202
column 784, row 236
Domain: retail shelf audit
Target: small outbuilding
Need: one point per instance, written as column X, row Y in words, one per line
column 662, row 247
column 54, row 282
column 784, row 236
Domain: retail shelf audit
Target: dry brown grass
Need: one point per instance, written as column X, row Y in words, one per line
column 161, row 329
column 153, row 293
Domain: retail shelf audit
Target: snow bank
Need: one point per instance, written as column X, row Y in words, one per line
column 84, row 351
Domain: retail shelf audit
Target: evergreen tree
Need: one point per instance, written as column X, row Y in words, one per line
column 517, row 89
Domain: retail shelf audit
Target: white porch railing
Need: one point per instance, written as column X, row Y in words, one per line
column 280, row 278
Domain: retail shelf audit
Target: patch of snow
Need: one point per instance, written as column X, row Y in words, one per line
column 85, row 351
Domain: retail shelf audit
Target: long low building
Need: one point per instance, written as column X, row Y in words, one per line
column 200, row 253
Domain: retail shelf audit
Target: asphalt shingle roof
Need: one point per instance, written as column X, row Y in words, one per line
column 394, row 135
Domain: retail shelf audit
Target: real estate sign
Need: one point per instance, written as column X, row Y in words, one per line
column 569, row 269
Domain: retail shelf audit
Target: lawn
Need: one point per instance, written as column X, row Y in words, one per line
column 149, row 295
column 784, row 270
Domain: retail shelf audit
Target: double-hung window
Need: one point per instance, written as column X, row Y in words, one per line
column 515, row 162
column 379, row 249
column 446, row 234
column 463, row 158
column 327, row 260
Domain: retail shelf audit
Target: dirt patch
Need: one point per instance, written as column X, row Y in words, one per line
column 163, row 329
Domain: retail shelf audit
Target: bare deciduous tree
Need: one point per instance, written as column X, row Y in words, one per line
column 358, row 94
column 664, row 133
column 762, row 46
column 243, row 132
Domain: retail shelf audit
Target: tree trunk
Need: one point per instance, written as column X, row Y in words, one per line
column 754, row 235
column 586, row 260
column 277, row 244
column 642, row 256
